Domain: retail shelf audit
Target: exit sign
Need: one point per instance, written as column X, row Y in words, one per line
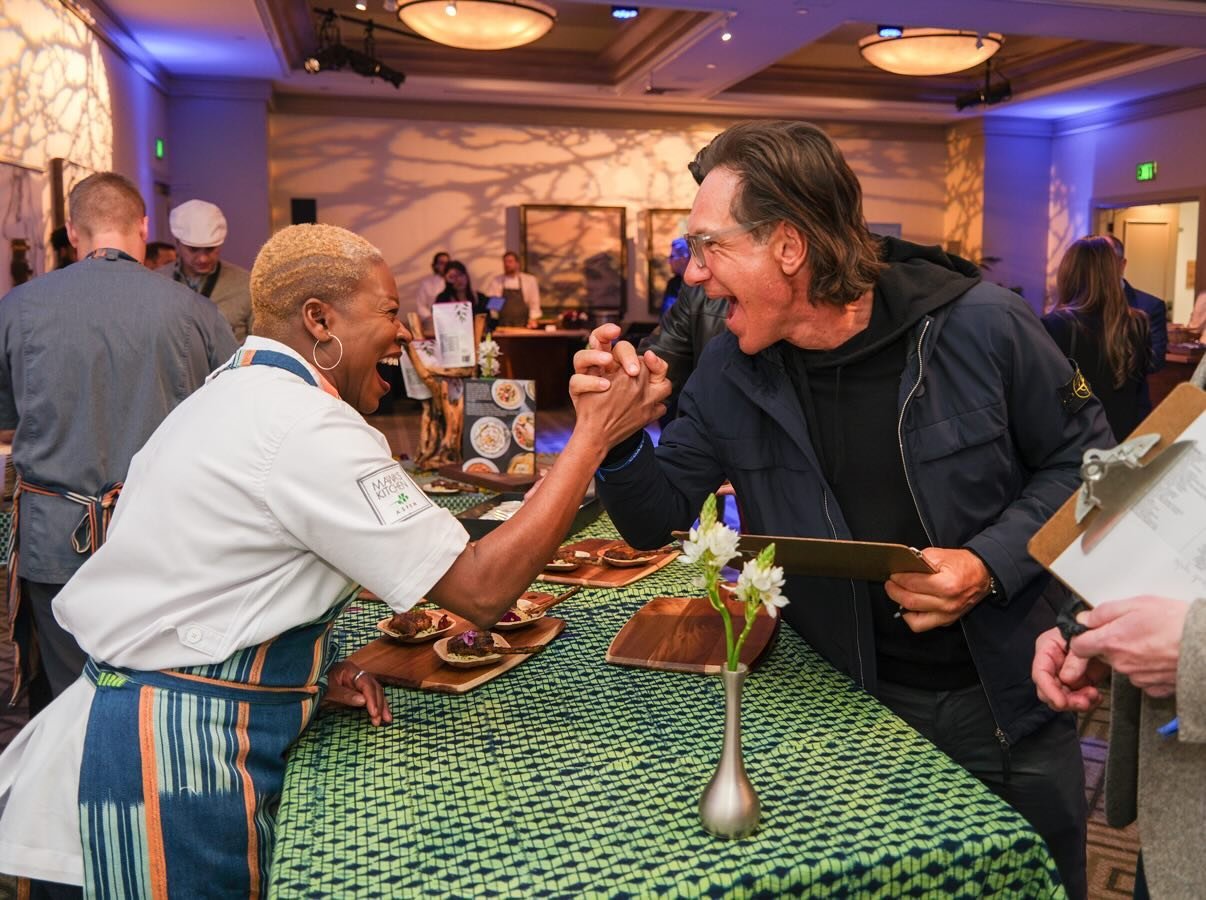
column 1145, row 171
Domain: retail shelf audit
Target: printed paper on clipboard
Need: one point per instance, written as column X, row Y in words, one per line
column 1157, row 546
column 860, row 560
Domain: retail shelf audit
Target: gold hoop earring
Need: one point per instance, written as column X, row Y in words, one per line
column 314, row 354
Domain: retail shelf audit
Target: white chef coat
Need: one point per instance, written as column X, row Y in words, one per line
column 252, row 509
column 430, row 287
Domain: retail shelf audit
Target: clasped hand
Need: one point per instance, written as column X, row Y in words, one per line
column 944, row 596
column 615, row 388
column 1139, row 638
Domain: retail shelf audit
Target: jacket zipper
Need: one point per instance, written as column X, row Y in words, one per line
column 858, row 647
column 999, row 734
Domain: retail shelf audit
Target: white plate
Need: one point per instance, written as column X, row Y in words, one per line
column 383, row 627
column 507, row 393
column 522, row 463
column 479, row 464
column 523, row 429
column 490, row 437
column 441, row 650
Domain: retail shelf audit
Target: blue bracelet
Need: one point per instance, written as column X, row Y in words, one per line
column 627, row 461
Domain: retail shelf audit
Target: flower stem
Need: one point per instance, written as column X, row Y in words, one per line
column 751, row 613
column 714, row 599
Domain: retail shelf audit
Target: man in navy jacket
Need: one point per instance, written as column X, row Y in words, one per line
column 876, row 390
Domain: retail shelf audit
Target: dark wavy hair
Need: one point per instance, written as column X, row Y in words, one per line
column 1089, row 283
column 793, row 172
column 459, row 267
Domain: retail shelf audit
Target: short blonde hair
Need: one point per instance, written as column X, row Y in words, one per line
column 105, row 201
column 303, row 261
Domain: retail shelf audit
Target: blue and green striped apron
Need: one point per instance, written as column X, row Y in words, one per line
column 183, row 768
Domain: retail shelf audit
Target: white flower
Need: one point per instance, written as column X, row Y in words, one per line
column 488, row 353
column 713, row 545
column 760, row 583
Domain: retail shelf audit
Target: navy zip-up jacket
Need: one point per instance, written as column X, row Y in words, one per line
column 990, row 443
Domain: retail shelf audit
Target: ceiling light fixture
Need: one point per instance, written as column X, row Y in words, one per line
column 479, row 24
column 624, row 12
column 928, row 51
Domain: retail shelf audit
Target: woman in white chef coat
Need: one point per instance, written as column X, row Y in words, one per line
column 247, row 521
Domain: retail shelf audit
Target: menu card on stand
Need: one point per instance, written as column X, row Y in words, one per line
column 500, row 427
column 416, row 388
column 453, row 323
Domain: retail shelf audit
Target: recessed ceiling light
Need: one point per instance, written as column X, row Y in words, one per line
column 727, row 36
column 624, row 12
column 889, row 31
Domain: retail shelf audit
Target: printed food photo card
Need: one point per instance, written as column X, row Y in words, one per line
column 500, row 426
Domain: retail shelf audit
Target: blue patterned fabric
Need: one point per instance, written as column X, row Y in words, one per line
column 182, row 769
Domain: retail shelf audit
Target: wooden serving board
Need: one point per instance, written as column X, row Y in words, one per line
column 494, row 481
column 601, row 574
column 417, row 666
column 685, row 634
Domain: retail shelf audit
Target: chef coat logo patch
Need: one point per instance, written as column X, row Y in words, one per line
column 392, row 495
column 1076, row 393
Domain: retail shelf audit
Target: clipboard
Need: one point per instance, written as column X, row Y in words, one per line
column 1176, row 413
column 826, row 558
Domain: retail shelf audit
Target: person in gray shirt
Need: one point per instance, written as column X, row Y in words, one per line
column 92, row 358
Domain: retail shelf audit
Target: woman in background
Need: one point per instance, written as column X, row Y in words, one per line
column 460, row 289
column 1100, row 332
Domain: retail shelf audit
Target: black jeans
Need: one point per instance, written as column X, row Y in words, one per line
column 61, row 657
column 1042, row 776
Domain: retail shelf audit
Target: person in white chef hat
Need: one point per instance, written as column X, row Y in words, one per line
column 200, row 231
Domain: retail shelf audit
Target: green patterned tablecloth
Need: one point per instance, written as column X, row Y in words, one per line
column 454, row 503
column 569, row 777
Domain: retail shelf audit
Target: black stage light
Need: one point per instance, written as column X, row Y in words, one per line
column 987, row 94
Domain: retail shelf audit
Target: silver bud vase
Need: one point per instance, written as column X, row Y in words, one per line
column 729, row 806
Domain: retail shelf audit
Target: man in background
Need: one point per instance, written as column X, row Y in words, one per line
column 678, row 259
column 159, row 254
column 1157, row 317
column 520, row 293
column 92, row 358
column 430, row 287
column 200, row 231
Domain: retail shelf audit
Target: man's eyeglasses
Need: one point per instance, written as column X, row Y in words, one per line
column 700, row 241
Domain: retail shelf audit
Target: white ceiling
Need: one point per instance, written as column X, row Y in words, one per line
column 763, row 70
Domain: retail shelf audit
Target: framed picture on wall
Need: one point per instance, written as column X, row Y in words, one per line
column 661, row 227
column 578, row 256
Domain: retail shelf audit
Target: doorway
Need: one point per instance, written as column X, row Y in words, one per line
column 1161, row 241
